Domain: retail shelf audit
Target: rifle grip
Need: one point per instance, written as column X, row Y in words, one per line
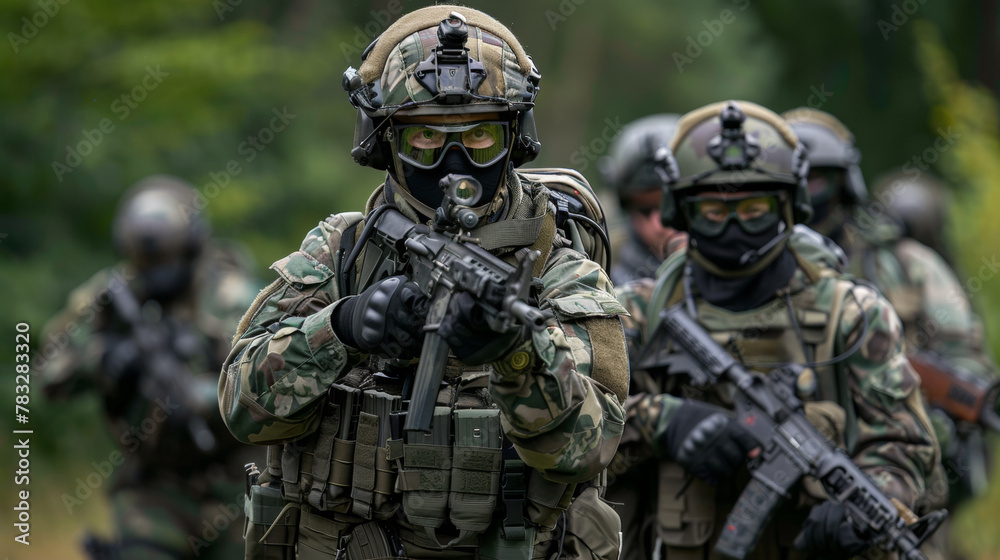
column 426, row 383
column 747, row 519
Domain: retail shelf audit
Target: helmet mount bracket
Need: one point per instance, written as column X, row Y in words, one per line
column 732, row 149
column 449, row 72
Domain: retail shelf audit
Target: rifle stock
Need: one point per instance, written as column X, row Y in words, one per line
column 957, row 391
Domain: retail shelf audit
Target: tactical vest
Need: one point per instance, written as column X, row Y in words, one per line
column 800, row 328
column 878, row 263
column 460, row 491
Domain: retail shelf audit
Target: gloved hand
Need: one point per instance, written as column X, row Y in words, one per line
column 387, row 318
column 707, row 442
column 469, row 335
column 827, row 534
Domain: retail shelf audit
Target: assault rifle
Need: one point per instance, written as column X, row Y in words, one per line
column 163, row 375
column 444, row 260
column 957, row 391
column 791, row 448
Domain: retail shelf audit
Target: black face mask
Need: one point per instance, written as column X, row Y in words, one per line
column 734, row 248
column 423, row 183
column 164, row 282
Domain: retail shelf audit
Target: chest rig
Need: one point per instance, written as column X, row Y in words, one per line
column 359, row 483
column 798, row 326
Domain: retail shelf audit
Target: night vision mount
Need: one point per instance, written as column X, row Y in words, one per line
column 732, row 149
column 449, row 72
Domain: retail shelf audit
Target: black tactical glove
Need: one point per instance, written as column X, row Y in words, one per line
column 469, row 335
column 827, row 534
column 387, row 318
column 707, row 442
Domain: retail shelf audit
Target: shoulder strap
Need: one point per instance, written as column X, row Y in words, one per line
column 668, row 289
column 833, row 383
column 578, row 210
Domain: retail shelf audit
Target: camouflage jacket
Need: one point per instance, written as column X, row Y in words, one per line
column 562, row 421
column 928, row 297
column 891, row 437
column 75, row 342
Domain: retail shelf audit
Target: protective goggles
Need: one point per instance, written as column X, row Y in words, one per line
column 424, row 145
column 756, row 212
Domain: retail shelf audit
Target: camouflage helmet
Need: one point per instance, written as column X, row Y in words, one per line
column 918, row 202
column 734, row 146
column 156, row 222
column 830, row 144
column 632, row 165
column 442, row 60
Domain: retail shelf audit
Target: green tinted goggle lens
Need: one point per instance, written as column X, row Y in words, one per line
column 424, row 145
column 755, row 213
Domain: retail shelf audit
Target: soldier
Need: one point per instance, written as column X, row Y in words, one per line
column 919, row 203
column 148, row 335
column 928, row 297
column 632, row 171
column 771, row 297
column 526, row 421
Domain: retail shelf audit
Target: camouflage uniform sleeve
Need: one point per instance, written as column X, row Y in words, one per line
column 279, row 368
column 947, row 323
column 895, row 444
column 560, row 392
column 635, row 445
column 635, row 297
column 69, row 361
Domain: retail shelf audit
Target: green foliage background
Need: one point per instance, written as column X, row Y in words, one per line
column 892, row 71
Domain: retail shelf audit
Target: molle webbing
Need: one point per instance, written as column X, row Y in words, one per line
column 323, row 457
column 290, row 459
column 363, row 491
